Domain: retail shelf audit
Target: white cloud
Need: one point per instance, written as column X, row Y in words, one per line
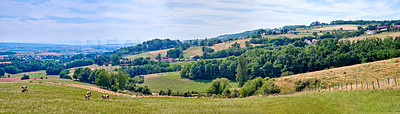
column 183, row 19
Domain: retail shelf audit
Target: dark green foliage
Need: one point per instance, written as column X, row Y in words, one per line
column 25, row 77
column 209, row 42
column 241, row 71
column 12, row 69
column 151, row 45
column 53, row 71
column 2, row 72
column 78, row 63
column 7, row 53
column 139, row 79
column 115, row 59
column 207, row 49
column 259, row 86
column 103, row 79
column 63, row 74
column 218, row 86
column 175, row 53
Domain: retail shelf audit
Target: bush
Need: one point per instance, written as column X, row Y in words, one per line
column 25, row 77
column 218, row 86
column 260, row 86
column 2, row 72
column 114, row 88
column 269, row 88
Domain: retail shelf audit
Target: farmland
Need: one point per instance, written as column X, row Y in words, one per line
column 51, row 98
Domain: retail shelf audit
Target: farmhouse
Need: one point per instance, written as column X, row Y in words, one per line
column 383, row 28
column 153, row 59
column 168, row 59
column 313, row 41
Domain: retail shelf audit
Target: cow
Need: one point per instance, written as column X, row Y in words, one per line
column 87, row 97
column 106, row 97
column 89, row 93
column 24, row 89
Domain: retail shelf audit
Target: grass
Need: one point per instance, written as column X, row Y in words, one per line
column 32, row 75
column 173, row 81
column 144, row 55
column 51, row 98
column 368, row 71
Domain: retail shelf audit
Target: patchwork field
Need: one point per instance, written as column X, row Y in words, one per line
column 52, row 98
column 173, row 81
column 335, row 27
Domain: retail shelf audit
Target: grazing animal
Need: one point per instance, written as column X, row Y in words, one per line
column 89, row 93
column 106, row 97
column 24, row 89
column 87, row 97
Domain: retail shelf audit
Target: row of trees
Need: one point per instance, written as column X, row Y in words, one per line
column 113, row 80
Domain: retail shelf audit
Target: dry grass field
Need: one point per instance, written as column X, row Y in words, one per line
column 225, row 45
column 287, row 35
column 329, row 28
column 151, row 54
column 360, row 72
column 381, row 35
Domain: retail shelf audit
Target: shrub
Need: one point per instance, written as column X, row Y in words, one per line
column 269, row 88
column 218, row 86
column 114, row 88
column 25, row 77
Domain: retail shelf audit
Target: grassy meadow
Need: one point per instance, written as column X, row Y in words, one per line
column 173, row 81
column 51, row 98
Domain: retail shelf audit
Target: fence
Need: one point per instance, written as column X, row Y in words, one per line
column 382, row 83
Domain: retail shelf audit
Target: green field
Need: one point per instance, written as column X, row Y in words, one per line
column 173, row 81
column 50, row 98
column 32, row 75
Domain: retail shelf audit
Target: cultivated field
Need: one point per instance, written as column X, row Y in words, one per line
column 287, row 35
column 53, row 98
column 368, row 71
column 173, row 81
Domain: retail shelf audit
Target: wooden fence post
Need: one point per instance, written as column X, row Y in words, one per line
column 377, row 81
column 346, row 85
column 373, row 86
column 329, row 87
column 362, row 87
column 395, row 82
column 366, row 83
column 351, row 85
column 356, row 85
column 388, row 82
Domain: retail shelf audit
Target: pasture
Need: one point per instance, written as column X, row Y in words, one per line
column 52, row 98
column 173, row 81
column 367, row 71
column 381, row 35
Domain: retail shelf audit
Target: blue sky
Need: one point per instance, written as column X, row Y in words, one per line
column 71, row 21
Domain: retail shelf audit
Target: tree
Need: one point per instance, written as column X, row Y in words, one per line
column 236, row 45
column 115, row 59
column 2, row 72
column 158, row 57
column 241, row 70
column 218, row 86
column 315, row 34
column 12, row 69
column 103, row 79
column 122, row 77
column 84, row 75
column 247, row 43
column 63, row 74
column 77, row 73
column 25, row 77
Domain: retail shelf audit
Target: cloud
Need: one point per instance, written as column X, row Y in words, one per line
column 139, row 20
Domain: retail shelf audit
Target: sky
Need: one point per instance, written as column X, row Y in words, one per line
column 135, row 21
